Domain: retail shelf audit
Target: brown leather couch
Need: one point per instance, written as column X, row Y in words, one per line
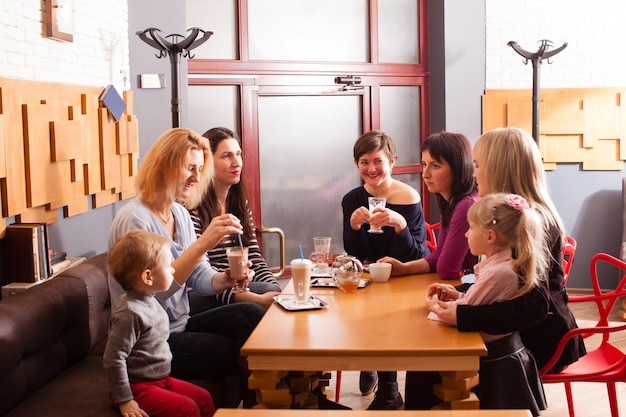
column 52, row 337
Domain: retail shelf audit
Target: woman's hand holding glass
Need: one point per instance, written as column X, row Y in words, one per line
column 223, row 281
column 221, row 226
column 359, row 217
column 377, row 218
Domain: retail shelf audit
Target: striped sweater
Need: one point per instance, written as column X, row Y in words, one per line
column 219, row 260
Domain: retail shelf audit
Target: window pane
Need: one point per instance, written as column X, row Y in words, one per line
column 309, row 30
column 400, row 119
column 307, row 166
column 397, row 31
column 219, row 17
column 213, row 105
column 414, row 180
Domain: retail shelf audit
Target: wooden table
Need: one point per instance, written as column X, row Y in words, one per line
column 240, row 412
column 380, row 327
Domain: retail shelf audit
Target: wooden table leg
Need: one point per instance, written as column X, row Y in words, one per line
column 455, row 390
column 288, row 389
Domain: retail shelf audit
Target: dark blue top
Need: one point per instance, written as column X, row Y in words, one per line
column 406, row 246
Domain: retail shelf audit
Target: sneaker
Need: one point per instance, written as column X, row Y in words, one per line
column 367, row 382
column 387, row 397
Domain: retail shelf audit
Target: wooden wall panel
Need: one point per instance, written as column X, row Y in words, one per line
column 14, row 183
column 110, row 170
column 562, row 149
column 41, row 173
column 3, row 167
column 37, row 215
column 104, row 198
column 65, row 139
column 64, row 149
column 93, row 181
column 586, row 126
column 3, row 171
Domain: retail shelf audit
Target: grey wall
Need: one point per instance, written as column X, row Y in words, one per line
column 153, row 106
column 590, row 203
column 464, row 32
column 456, row 46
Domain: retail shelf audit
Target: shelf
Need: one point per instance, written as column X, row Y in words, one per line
column 13, row 288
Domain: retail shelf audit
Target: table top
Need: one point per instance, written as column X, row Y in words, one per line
column 239, row 412
column 382, row 325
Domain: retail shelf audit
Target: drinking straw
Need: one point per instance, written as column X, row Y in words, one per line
column 301, row 253
column 240, row 242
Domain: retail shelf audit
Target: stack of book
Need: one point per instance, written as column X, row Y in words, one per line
column 26, row 253
column 59, row 261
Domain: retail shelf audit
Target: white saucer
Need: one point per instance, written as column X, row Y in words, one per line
column 288, row 302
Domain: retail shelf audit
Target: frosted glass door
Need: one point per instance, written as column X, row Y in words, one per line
column 307, row 166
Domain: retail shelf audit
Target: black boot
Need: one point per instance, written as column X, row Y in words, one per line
column 387, row 397
column 418, row 390
column 324, row 403
column 367, row 382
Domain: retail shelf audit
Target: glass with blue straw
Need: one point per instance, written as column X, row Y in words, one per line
column 301, row 278
column 238, row 264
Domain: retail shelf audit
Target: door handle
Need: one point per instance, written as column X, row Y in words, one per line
column 281, row 241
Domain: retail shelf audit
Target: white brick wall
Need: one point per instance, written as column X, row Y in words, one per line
column 595, row 31
column 98, row 56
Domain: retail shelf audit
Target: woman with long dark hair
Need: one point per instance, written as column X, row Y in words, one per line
column 226, row 202
column 448, row 174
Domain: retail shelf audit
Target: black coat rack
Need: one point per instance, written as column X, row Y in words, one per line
column 537, row 58
column 175, row 50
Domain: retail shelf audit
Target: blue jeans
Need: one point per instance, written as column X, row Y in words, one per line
column 209, row 346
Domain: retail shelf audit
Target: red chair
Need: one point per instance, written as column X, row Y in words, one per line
column 431, row 236
column 569, row 250
column 606, row 363
column 338, row 387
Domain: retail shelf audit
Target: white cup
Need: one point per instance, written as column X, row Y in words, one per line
column 301, row 279
column 380, row 271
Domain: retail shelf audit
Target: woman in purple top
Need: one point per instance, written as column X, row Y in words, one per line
column 448, row 173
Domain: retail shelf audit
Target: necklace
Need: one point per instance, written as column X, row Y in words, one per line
column 164, row 220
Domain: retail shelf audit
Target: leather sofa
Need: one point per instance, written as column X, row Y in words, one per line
column 52, row 337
